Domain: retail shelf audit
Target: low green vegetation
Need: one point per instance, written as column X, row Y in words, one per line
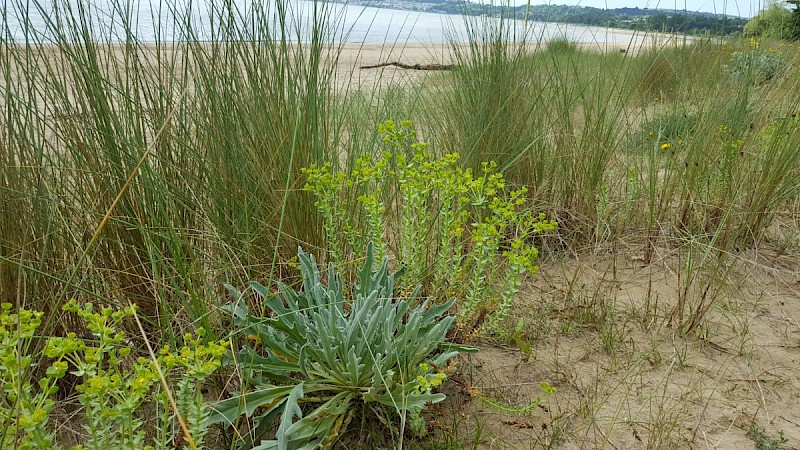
column 343, row 356
column 763, row 441
column 113, row 386
column 756, row 66
column 141, row 184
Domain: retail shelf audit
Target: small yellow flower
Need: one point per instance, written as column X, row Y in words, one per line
column 665, row 146
column 680, row 141
column 139, row 383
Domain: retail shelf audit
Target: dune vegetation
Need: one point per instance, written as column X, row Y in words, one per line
column 233, row 241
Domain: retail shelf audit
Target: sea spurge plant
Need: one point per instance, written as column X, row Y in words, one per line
column 112, row 386
column 321, row 355
column 779, row 130
column 456, row 232
column 109, row 395
column 328, row 188
column 397, row 133
column 24, row 406
column 193, row 363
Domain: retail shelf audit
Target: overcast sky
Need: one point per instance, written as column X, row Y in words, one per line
column 745, row 8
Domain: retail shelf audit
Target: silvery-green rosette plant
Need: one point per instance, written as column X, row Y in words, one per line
column 320, row 356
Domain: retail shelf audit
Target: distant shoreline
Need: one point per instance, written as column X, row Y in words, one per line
column 351, row 24
column 615, row 18
column 587, row 37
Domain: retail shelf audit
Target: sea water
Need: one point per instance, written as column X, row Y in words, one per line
column 41, row 21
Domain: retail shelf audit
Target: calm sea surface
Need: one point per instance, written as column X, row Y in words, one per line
column 167, row 21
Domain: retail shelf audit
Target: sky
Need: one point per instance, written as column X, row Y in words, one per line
column 744, row 8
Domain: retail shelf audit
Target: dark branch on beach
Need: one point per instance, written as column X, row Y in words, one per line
column 414, row 66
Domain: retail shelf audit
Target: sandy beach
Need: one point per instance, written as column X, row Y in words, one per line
column 348, row 72
column 353, row 56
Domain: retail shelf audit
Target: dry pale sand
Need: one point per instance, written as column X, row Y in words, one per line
column 601, row 333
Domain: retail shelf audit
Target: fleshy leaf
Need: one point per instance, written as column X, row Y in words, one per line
column 290, row 411
column 228, row 410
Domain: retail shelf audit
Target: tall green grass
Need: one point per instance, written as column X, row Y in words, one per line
column 659, row 146
column 548, row 115
column 572, row 125
column 485, row 114
column 193, row 145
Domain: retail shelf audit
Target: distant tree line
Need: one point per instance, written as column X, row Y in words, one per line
column 645, row 19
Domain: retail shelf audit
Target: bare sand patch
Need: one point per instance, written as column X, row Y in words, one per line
column 600, row 332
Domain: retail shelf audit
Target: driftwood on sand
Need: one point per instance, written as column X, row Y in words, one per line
column 413, row 66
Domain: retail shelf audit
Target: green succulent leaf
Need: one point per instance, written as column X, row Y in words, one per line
column 455, row 349
column 322, row 419
column 290, row 411
column 410, row 402
column 226, row 411
column 271, row 367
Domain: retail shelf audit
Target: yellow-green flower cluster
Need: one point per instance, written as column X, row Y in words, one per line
column 728, row 139
column 112, row 386
column 21, row 325
column 393, row 133
column 779, row 129
column 16, row 328
column 450, row 224
column 198, row 360
column 427, row 380
column 24, row 416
